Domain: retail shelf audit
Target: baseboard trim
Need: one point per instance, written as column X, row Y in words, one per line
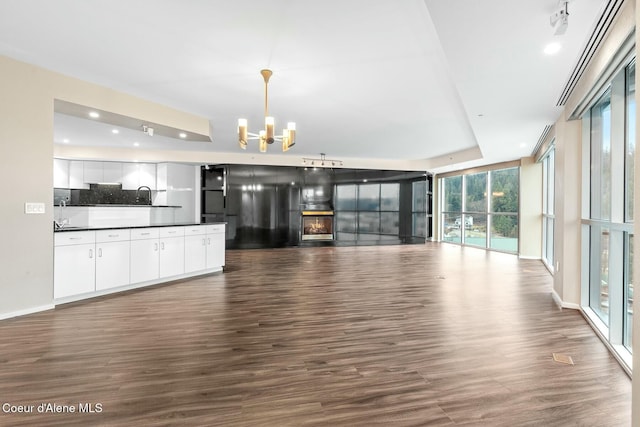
column 26, row 311
column 563, row 304
column 133, row 286
column 537, row 258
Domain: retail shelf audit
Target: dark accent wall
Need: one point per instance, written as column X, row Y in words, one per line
column 262, row 205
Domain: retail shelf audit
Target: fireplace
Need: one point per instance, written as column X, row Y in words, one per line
column 317, row 225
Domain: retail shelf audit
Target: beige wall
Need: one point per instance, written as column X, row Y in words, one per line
column 26, row 171
column 567, row 203
column 530, row 227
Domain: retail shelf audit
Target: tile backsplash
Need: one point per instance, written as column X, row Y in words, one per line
column 100, row 194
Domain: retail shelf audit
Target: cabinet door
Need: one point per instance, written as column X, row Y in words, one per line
column 148, row 175
column 76, row 174
column 195, row 253
column 74, row 270
column 93, row 172
column 171, row 256
column 215, row 250
column 60, row 173
column 145, row 260
column 130, row 176
column 112, row 172
column 112, row 264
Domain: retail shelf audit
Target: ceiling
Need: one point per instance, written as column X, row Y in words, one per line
column 433, row 80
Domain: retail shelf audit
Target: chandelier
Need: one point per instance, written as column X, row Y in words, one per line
column 266, row 136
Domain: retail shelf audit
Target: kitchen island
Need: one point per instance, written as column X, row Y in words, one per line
column 94, row 261
column 115, row 215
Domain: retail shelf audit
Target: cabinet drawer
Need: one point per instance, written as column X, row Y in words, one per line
column 215, row 228
column 145, row 233
column 118, row 235
column 195, row 230
column 64, row 238
column 172, row 232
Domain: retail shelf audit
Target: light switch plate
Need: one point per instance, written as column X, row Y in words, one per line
column 33, row 208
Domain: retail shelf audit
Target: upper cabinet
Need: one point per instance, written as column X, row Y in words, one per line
column 135, row 175
column 95, row 172
column 78, row 174
column 60, row 173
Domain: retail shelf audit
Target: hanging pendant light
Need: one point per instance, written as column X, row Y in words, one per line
column 266, row 136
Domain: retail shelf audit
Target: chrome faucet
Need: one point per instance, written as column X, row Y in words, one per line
column 62, row 221
column 138, row 193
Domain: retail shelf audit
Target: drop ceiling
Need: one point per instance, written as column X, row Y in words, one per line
column 415, row 80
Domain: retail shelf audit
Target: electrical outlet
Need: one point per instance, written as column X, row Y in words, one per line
column 33, row 208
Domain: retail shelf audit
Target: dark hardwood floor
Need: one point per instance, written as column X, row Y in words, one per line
column 429, row 334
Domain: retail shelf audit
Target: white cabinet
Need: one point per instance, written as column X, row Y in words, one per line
column 145, row 255
column 171, row 251
column 112, row 258
column 93, row 172
column 195, row 248
column 135, row 175
column 76, row 175
column 90, row 263
column 148, row 175
column 215, row 245
column 112, row 172
column 60, row 173
column 74, row 263
column 130, row 178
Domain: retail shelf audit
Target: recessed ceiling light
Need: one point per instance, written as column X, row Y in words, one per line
column 94, row 114
column 115, row 131
column 136, row 144
column 523, row 145
column 552, row 48
column 182, row 135
column 66, row 140
column 364, row 180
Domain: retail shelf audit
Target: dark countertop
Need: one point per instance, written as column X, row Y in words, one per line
column 113, row 205
column 185, row 224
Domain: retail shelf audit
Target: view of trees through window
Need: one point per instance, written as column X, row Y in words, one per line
column 608, row 285
column 485, row 214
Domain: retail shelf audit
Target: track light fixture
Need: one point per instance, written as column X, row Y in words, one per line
column 322, row 161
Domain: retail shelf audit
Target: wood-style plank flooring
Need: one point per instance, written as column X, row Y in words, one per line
column 431, row 334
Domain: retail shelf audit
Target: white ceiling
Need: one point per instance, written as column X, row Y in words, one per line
column 385, row 79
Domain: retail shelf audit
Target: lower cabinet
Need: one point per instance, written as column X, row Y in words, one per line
column 74, row 265
column 145, row 255
column 171, row 251
column 215, row 246
column 112, row 258
column 195, row 252
column 88, row 262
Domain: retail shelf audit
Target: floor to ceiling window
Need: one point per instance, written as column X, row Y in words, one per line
column 609, row 129
column 481, row 209
column 548, row 215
